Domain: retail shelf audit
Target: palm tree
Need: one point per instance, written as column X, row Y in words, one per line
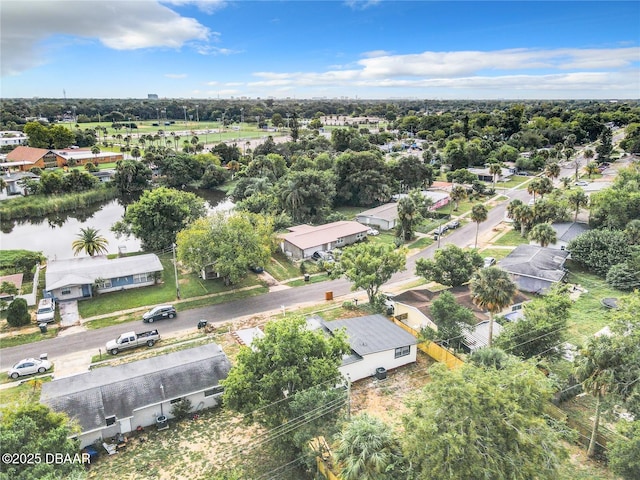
column 367, row 449
column 544, row 186
column 135, row 152
column 591, row 169
column 544, row 234
column 588, row 154
column 533, row 188
column 566, row 181
column 495, row 169
column 552, row 170
column 478, row 215
column 524, row 215
column 578, row 199
column 90, row 241
column 458, row 192
column 493, row 290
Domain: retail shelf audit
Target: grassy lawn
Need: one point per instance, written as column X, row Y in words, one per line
column 24, row 338
column 281, row 268
column 421, row 243
column 513, row 182
column 28, row 391
column 497, row 253
column 350, row 212
column 317, row 278
column 510, row 239
column 588, row 315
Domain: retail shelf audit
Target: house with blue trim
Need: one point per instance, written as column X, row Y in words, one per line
column 75, row 278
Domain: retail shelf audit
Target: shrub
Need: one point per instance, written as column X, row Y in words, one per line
column 18, row 313
column 181, row 408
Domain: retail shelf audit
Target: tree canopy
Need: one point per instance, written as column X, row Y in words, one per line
column 482, row 423
column 451, row 266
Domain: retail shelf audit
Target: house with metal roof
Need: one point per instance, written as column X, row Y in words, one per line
column 116, row 400
column 384, row 217
column 25, row 158
column 75, row 278
column 303, row 241
column 535, row 269
column 375, row 343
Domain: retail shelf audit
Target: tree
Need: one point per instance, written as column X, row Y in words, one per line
column 552, row 170
column 544, row 234
column 90, row 241
column 361, row 178
column 290, row 358
column 368, row 449
column 542, row 329
column 591, row 169
column 458, row 192
column 18, row 313
column 231, row 244
column 495, row 169
column 451, row 266
column 9, row 288
column 369, row 265
column 158, row 216
column 131, row 178
column 577, row 199
column 412, row 173
column 599, row 250
column 38, row 135
column 33, row 428
column 482, row 423
column 493, row 290
column 450, row 317
column 622, row 452
column 605, row 146
column 412, row 209
column 478, row 214
column 307, row 195
column 625, row 276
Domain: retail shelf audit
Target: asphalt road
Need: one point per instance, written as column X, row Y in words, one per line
column 313, row 293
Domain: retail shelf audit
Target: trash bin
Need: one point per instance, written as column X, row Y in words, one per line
column 43, row 327
column 306, row 277
column 202, row 324
column 381, row 373
column 328, row 295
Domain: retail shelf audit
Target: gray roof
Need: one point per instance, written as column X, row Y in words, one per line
column 567, row 231
column 86, row 270
column 372, row 334
column 477, row 337
column 388, row 212
column 91, row 397
column 534, row 268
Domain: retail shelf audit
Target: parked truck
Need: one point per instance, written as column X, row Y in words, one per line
column 131, row 340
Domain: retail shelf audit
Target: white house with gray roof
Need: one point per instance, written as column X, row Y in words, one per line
column 112, row 400
column 74, row 278
column 375, row 342
column 303, row 241
column 535, row 269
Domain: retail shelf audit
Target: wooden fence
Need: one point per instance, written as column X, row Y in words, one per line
column 435, row 351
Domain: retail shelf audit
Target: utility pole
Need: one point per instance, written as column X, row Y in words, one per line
column 348, row 397
column 175, row 271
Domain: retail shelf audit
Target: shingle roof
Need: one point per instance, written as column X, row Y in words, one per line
column 371, row 334
column 85, row 270
column 537, row 262
column 28, row 154
column 567, row 231
column 119, row 390
column 306, row 236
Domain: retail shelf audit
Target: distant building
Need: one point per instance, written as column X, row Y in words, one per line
column 152, row 96
column 25, row 158
column 12, row 139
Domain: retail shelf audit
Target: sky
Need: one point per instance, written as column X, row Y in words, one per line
column 367, row 49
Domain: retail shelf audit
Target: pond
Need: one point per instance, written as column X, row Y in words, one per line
column 54, row 234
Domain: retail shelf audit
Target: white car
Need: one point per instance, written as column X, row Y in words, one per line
column 582, row 183
column 489, row 262
column 373, row 231
column 29, row 366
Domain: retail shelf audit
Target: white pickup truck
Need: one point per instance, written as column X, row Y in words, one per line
column 131, row 340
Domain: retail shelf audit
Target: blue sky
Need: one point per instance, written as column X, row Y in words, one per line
column 333, row 48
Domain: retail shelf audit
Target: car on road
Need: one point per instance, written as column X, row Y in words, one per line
column 159, row 312
column 373, row 231
column 29, row 366
column 489, row 262
column 581, row 183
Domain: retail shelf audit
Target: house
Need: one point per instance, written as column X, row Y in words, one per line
column 384, row 217
column 439, row 198
column 477, row 337
column 12, row 138
column 484, row 175
column 75, row 278
column 303, row 241
column 25, row 158
column 567, row 231
column 116, row 400
column 375, row 343
column 16, row 280
column 14, row 181
column 535, row 269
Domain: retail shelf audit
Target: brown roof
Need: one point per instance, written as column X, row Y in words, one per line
column 16, row 279
column 29, row 154
column 308, row 236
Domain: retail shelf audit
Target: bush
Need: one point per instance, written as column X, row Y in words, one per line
column 18, row 313
column 181, row 408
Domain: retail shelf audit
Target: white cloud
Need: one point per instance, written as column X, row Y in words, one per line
column 117, row 24
column 376, row 53
column 175, row 75
column 361, row 4
column 207, row 6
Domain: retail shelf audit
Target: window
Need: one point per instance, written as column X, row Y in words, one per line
column 213, row 391
column 175, row 400
column 516, row 307
column 340, row 241
column 65, row 291
column 403, row 351
column 142, row 277
column 105, row 284
column 110, row 420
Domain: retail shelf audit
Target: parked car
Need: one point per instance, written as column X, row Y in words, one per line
column 159, row 312
column 373, row 231
column 489, row 261
column 454, row 224
column 321, row 255
column 132, row 340
column 581, row 183
column 46, row 310
column 256, row 269
column 29, row 366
